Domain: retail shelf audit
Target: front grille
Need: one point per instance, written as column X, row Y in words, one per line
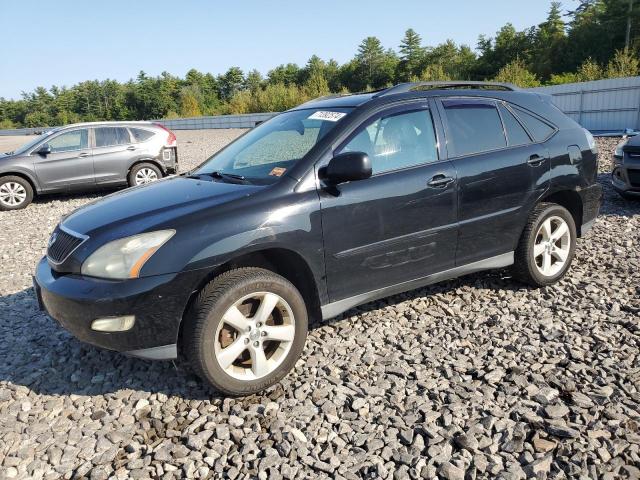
column 634, row 177
column 61, row 245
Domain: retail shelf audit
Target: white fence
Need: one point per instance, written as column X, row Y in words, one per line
column 600, row 106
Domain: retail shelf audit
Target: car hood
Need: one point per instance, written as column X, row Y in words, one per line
column 156, row 203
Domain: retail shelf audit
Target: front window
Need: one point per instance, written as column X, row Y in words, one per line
column 397, row 141
column 269, row 150
column 73, row 140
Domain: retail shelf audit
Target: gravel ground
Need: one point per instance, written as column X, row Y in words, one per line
column 473, row 378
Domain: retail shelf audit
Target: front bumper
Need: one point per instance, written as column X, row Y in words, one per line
column 625, row 176
column 158, row 304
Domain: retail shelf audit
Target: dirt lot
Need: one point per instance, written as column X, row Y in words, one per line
column 11, row 142
column 478, row 377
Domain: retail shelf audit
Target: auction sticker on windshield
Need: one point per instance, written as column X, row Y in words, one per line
column 329, row 116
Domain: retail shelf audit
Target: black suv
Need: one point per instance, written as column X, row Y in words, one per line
column 329, row 205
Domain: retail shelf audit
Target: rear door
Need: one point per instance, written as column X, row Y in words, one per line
column 498, row 169
column 69, row 164
column 112, row 150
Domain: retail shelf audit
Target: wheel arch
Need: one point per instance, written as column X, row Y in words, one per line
column 569, row 199
column 25, row 176
column 282, row 261
column 146, row 160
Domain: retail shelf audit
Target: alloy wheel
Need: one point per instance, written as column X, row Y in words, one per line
column 552, row 246
column 146, row 175
column 12, row 194
column 254, row 336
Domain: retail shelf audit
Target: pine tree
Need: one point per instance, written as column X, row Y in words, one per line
column 411, row 55
column 369, row 57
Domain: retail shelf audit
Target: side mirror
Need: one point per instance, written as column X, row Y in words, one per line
column 348, row 167
column 44, row 150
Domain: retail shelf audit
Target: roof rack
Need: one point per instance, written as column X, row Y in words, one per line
column 407, row 87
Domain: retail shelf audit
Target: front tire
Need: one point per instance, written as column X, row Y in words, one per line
column 546, row 247
column 15, row 193
column 144, row 173
column 245, row 331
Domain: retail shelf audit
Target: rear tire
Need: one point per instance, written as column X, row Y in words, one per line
column 547, row 246
column 144, row 173
column 15, row 193
column 245, row 330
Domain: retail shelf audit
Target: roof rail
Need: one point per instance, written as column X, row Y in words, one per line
column 407, row 87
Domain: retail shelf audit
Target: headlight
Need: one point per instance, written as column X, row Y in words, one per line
column 618, row 151
column 125, row 257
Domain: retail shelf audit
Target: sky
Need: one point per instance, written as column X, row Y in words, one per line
column 64, row 42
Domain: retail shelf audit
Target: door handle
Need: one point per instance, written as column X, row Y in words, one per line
column 535, row 160
column 83, row 155
column 440, row 181
column 132, row 148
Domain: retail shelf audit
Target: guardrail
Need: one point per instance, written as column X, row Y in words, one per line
column 611, row 105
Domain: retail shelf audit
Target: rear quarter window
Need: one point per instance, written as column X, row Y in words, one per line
column 516, row 134
column 140, row 135
column 540, row 129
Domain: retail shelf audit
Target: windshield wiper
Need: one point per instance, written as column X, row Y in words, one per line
column 220, row 175
column 227, row 175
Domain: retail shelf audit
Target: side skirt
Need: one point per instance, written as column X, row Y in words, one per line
column 333, row 309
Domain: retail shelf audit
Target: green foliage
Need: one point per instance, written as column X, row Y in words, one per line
column 411, row 56
column 623, row 64
column 189, row 105
column 585, row 44
column 516, row 72
column 432, row 73
column 589, row 70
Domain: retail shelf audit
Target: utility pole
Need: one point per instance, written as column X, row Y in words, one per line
column 628, row 37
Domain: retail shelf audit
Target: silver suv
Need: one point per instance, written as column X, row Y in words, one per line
column 86, row 156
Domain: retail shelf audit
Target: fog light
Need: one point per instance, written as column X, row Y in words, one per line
column 114, row 324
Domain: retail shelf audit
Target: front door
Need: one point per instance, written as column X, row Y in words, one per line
column 400, row 224
column 112, row 154
column 69, row 165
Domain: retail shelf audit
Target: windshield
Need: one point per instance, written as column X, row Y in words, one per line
column 269, row 150
column 31, row 143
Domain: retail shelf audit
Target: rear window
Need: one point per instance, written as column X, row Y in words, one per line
column 109, row 136
column 474, row 126
column 539, row 129
column 140, row 135
column 516, row 134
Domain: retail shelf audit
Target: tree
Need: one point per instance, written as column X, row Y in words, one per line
column 189, row 104
column 549, row 42
column 285, row 74
column 369, row 59
column 589, row 70
column 623, row 64
column 433, row 73
column 411, row 56
column 231, row 82
column 254, row 80
column 516, row 72
column 316, row 86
